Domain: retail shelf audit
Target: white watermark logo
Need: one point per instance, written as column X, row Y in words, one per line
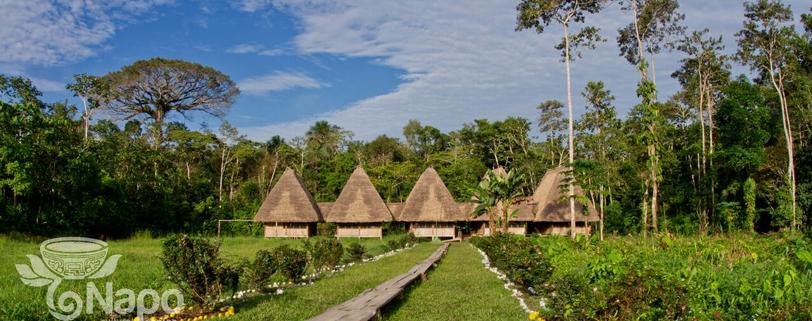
column 79, row 258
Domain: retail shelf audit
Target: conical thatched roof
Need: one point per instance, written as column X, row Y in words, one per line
column 525, row 213
column 395, row 208
column 324, row 207
column 430, row 201
column 551, row 208
column 289, row 201
column 358, row 202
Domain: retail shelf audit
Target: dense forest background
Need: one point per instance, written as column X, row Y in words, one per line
column 721, row 148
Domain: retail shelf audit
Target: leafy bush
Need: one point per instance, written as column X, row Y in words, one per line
column 326, row 229
column 731, row 277
column 194, row 264
column 357, row 252
column 394, row 244
column 261, row 270
column 521, row 260
column 401, row 242
column 324, row 253
column 290, row 262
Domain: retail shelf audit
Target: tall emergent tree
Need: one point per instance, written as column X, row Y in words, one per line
column 654, row 23
column 539, row 14
column 704, row 72
column 92, row 91
column 158, row 86
column 598, row 133
column 765, row 45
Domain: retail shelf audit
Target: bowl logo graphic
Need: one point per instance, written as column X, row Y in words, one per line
column 79, row 258
column 73, row 258
column 68, row 258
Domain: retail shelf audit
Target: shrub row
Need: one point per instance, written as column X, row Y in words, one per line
column 195, row 266
column 732, row 277
column 521, row 260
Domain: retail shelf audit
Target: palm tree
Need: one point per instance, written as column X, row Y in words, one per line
column 497, row 193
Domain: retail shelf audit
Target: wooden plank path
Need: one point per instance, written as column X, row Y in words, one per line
column 368, row 304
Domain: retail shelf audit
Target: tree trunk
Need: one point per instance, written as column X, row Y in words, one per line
column 571, row 142
column 222, row 173
column 643, row 70
column 655, row 189
column 273, row 173
column 779, row 87
column 231, row 181
column 505, row 218
column 645, row 209
column 188, row 171
column 603, row 202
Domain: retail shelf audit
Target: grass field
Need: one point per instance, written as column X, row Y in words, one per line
column 458, row 289
column 140, row 268
column 305, row 302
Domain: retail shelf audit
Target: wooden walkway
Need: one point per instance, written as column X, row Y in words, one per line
column 368, row 304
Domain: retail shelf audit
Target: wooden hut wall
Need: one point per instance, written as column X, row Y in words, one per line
column 560, row 228
column 288, row 229
column 433, row 229
column 359, row 230
column 519, row 228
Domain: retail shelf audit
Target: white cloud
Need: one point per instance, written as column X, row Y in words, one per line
column 252, row 5
column 464, row 61
column 46, row 85
column 277, row 81
column 252, row 48
column 52, row 32
column 244, row 48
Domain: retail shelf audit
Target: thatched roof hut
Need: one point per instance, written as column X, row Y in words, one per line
column 289, row 201
column 550, row 206
column 524, row 205
column 324, row 207
column 430, row 201
column 394, row 208
column 358, row 202
column 525, row 212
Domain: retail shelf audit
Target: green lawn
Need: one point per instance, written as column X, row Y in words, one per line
column 305, row 302
column 459, row 288
column 140, row 268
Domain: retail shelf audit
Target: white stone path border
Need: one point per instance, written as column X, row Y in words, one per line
column 510, row 286
column 307, row 280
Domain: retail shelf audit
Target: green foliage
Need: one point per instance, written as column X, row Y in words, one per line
column 731, row 278
column 260, row 271
column 290, row 262
column 194, row 265
column 401, row 242
column 749, row 191
column 326, row 229
column 357, row 252
column 324, row 253
column 521, row 260
column 496, row 194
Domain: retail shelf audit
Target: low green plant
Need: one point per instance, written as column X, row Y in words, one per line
column 194, row 265
column 290, row 262
column 728, row 277
column 261, row 269
column 324, row 253
column 357, row 252
column 326, row 229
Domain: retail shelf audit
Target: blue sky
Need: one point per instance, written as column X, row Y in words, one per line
column 368, row 66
